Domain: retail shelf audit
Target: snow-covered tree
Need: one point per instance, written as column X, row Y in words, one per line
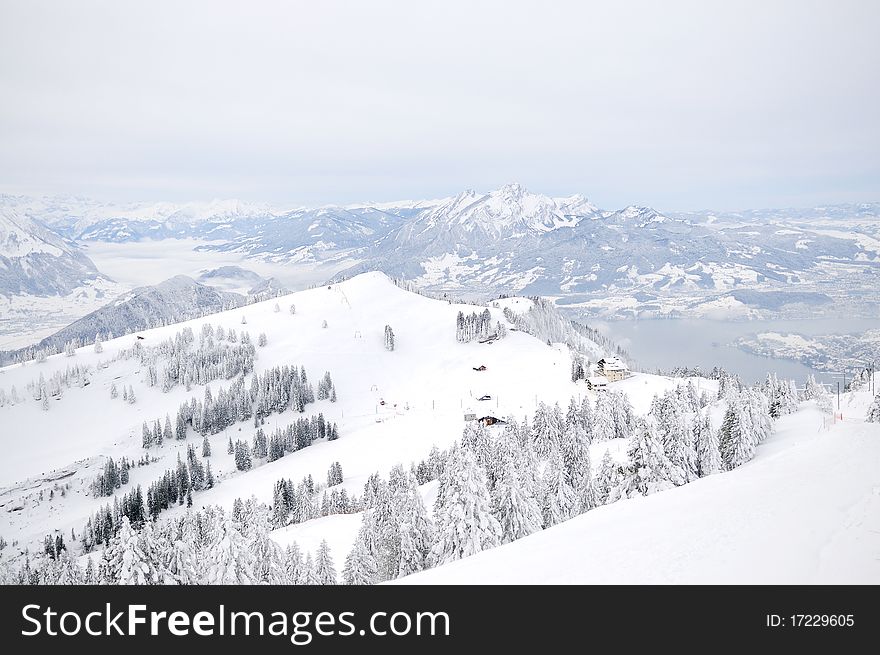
column 736, row 441
column 360, row 565
column 465, row 524
column 668, row 415
column 124, row 561
column 578, row 371
column 325, row 571
column 99, row 347
column 603, row 418
column 546, row 430
column 812, row 389
column 230, row 561
column 705, row 439
column 873, row 415
column 648, row 470
column 515, row 505
column 389, row 338
column 262, row 340
column 558, row 495
column 622, row 414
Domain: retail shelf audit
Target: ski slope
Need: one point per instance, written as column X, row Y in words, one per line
column 427, row 383
column 805, row 510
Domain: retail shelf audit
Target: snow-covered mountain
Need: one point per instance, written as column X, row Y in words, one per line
column 391, row 406
column 636, row 261
column 351, row 346
column 36, row 261
column 174, row 300
column 84, row 219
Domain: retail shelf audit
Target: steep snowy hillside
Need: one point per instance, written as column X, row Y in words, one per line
column 806, row 510
column 35, row 261
column 392, row 406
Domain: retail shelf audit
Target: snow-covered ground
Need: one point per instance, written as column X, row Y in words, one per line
column 427, row 383
column 805, row 510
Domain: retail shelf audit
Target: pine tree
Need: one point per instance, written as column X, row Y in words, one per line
column 229, row 559
column 873, row 415
column 206, row 447
column 389, row 338
column 99, row 347
column 649, row 470
column 736, row 443
column 668, row 414
column 514, row 505
column 126, row 562
column 325, row 572
column 262, row 340
column 465, row 524
column 308, row 576
column 293, row 564
column 603, row 418
column 114, row 392
column 360, row 565
column 90, row 576
column 546, row 431
column 706, row 447
column 559, row 498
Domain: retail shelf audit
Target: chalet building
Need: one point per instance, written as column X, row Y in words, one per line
column 612, row 368
column 597, row 383
column 470, row 416
column 486, row 421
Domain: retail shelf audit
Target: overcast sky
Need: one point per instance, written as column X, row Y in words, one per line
column 677, row 105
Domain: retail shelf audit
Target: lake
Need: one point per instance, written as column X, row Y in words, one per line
column 666, row 343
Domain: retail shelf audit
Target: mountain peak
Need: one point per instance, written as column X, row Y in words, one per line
column 514, row 189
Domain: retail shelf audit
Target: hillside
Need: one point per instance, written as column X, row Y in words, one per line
column 427, row 383
column 168, row 302
column 378, row 407
column 806, row 510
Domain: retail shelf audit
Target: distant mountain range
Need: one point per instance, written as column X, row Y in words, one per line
column 179, row 298
column 626, row 262
column 34, row 260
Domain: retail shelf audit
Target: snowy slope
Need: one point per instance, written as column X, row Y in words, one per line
column 805, row 510
column 427, row 383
